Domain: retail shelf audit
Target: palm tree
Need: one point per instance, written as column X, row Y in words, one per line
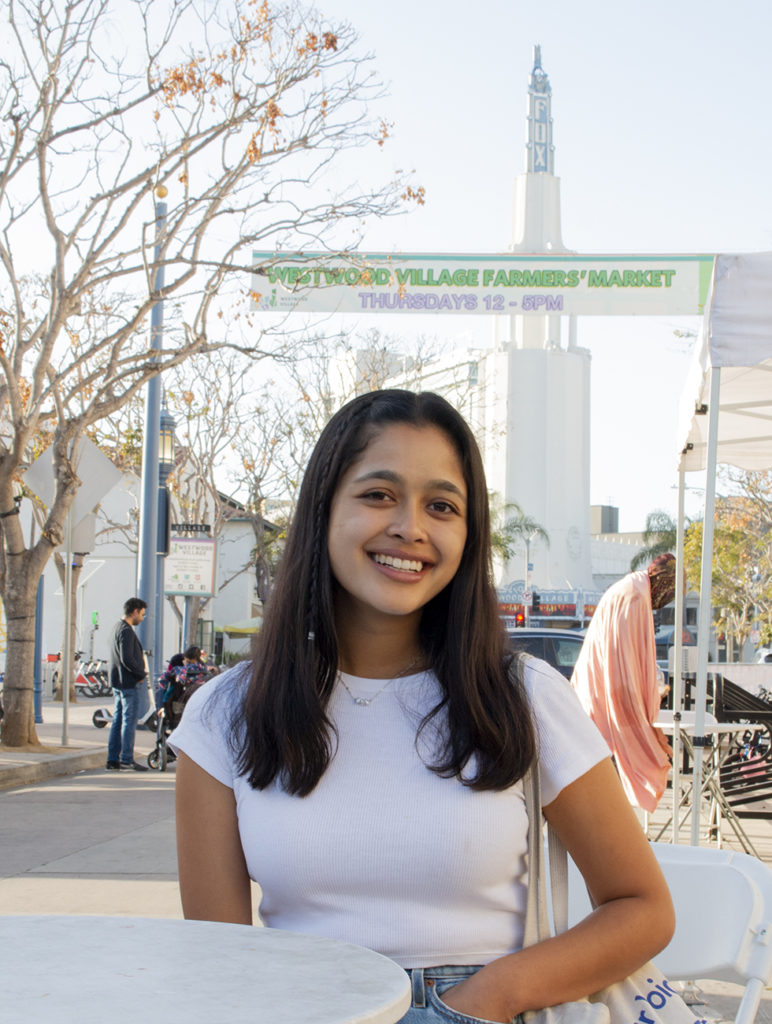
column 659, row 538
column 510, row 527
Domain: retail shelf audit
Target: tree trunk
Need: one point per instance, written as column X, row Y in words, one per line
column 193, row 616
column 18, row 725
column 22, row 568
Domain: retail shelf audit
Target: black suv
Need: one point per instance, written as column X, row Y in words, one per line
column 558, row 647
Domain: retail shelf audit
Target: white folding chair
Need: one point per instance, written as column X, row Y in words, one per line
column 723, row 905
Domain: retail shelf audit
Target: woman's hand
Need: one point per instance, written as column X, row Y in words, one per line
column 480, row 996
column 633, row 920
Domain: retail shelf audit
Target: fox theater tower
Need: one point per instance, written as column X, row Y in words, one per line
column 537, row 382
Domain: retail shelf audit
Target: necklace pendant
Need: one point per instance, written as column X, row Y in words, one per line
column 365, row 702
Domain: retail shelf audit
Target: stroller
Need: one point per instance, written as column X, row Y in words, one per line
column 173, row 691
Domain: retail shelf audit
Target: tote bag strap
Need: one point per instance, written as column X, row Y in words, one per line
column 558, row 880
column 537, row 927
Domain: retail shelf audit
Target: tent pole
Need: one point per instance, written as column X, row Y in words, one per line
column 706, row 578
column 677, row 690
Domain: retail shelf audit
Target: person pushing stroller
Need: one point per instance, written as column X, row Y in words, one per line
column 185, row 673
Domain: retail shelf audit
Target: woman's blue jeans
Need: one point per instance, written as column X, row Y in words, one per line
column 120, row 745
column 428, row 984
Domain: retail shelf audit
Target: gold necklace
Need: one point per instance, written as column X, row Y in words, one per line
column 365, row 702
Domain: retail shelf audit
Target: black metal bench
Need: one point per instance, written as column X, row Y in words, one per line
column 746, row 775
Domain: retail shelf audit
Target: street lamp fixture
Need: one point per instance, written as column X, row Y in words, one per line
column 165, row 467
column 165, row 446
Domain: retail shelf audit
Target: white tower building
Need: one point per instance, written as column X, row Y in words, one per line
column 537, row 387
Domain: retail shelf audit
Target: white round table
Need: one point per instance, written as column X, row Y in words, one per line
column 125, row 970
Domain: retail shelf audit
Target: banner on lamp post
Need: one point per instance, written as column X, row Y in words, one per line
column 189, row 568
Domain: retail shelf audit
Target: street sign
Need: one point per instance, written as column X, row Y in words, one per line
column 97, row 474
column 755, row 637
column 190, row 567
column 191, row 527
column 527, row 598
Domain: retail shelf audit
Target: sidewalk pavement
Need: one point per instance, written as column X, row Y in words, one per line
column 76, row 839
column 86, row 745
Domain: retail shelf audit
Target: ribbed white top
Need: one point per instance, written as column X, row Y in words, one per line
column 383, row 853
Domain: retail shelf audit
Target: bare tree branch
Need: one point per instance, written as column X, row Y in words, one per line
column 237, row 116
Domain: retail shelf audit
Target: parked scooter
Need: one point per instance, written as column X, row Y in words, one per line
column 103, row 717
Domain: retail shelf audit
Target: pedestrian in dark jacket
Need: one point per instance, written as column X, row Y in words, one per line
column 127, row 674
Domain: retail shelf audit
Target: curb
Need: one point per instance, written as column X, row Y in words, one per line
column 50, row 767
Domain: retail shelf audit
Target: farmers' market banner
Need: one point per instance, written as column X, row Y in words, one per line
column 319, row 282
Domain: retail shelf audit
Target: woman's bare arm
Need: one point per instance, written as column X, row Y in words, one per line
column 633, row 921
column 214, row 882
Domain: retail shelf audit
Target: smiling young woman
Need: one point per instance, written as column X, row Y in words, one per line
column 365, row 767
column 396, row 536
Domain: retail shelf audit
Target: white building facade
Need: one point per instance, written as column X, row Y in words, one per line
column 537, row 381
column 109, row 577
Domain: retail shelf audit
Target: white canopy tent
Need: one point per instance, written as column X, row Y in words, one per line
column 725, row 417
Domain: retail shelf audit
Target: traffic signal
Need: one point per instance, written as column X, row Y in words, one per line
column 535, row 604
column 519, row 620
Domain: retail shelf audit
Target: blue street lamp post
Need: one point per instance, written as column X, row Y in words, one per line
column 147, row 584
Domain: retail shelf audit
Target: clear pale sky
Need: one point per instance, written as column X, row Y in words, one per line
column 663, row 145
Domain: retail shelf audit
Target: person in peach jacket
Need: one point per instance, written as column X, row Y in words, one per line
column 615, row 678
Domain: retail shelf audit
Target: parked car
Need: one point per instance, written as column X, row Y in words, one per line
column 763, row 656
column 558, row 647
column 664, row 638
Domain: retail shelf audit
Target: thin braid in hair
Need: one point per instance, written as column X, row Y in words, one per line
column 319, row 540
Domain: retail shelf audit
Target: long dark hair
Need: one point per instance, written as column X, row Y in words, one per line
column 283, row 732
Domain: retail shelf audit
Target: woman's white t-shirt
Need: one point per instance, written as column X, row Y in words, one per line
column 383, row 852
